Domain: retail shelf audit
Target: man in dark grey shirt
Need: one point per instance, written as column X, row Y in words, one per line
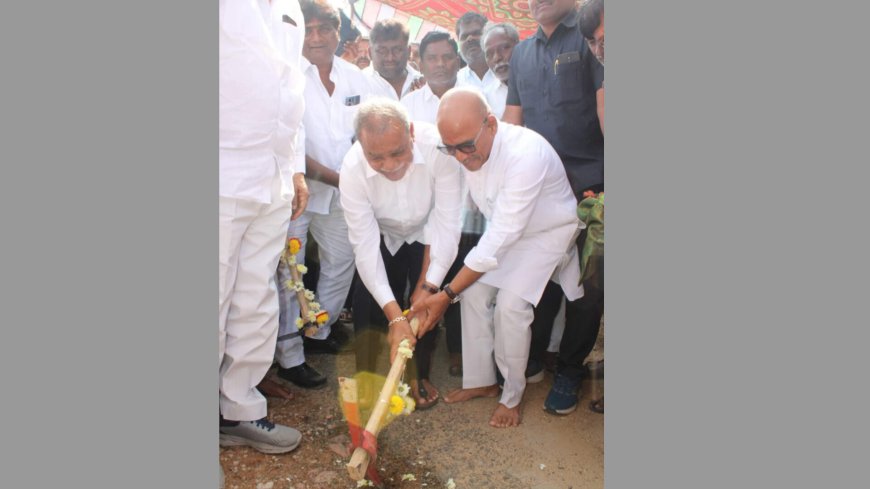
column 554, row 88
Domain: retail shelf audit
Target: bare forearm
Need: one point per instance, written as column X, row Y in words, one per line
column 316, row 171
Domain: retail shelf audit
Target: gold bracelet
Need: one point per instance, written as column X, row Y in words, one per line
column 396, row 320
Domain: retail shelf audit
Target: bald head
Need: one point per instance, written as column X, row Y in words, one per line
column 466, row 126
column 461, row 107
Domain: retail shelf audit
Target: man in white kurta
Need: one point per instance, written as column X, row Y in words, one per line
column 261, row 160
column 469, row 30
column 518, row 182
column 334, row 90
column 390, row 72
column 439, row 63
column 498, row 43
column 401, row 199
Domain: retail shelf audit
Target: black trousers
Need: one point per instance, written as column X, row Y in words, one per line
column 370, row 323
column 452, row 319
column 582, row 317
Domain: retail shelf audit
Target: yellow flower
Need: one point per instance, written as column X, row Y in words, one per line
column 302, row 269
column 309, row 295
column 322, row 317
column 294, row 245
column 397, row 405
column 291, row 260
column 299, row 323
column 312, row 317
column 289, row 285
column 408, row 477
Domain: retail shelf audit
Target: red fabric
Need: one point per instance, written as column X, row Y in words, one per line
column 445, row 12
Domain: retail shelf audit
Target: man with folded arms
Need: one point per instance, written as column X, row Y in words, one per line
column 518, row 182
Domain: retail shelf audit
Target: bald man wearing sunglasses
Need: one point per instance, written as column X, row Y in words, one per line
column 518, row 182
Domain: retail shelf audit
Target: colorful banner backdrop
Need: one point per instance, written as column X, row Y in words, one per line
column 423, row 16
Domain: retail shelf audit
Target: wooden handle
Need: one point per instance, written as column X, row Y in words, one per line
column 359, row 461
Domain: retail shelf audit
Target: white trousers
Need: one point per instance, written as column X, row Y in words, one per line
column 333, row 284
column 495, row 322
column 558, row 329
column 250, row 239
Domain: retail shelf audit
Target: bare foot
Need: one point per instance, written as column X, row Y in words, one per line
column 505, row 417
column 430, row 392
column 270, row 388
column 459, row 395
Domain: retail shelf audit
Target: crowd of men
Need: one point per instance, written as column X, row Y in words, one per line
column 448, row 188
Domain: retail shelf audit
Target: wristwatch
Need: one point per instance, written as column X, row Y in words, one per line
column 453, row 296
column 429, row 288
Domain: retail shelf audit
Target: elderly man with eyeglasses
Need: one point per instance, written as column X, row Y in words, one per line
column 401, row 200
column 518, row 182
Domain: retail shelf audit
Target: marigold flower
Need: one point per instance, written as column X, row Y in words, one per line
column 294, row 245
column 397, row 405
column 322, row 317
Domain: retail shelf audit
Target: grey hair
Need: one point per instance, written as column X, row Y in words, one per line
column 376, row 114
column 505, row 27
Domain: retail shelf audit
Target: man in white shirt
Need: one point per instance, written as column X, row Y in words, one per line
column 439, row 62
column 333, row 91
column 401, row 199
column 390, row 71
column 498, row 44
column 518, row 182
column 261, row 161
column 469, row 29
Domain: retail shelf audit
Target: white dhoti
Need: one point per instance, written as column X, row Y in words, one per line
column 250, row 239
column 495, row 322
column 333, row 283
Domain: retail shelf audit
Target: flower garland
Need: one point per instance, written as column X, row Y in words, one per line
column 312, row 315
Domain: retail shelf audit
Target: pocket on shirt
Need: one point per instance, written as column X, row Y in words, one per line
column 568, row 79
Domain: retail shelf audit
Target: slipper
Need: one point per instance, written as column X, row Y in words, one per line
column 423, row 394
column 597, row 406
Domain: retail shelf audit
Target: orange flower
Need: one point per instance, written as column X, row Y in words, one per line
column 322, row 317
column 294, row 245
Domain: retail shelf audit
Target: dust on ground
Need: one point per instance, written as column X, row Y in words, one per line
column 448, row 441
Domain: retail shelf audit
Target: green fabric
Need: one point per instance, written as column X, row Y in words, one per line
column 591, row 211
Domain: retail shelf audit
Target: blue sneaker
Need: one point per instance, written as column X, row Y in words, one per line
column 563, row 397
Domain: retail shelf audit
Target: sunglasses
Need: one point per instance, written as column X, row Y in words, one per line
column 467, row 147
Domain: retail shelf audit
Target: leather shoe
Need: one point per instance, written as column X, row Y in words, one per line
column 302, row 375
column 331, row 345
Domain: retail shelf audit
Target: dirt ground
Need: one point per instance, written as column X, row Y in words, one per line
column 448, row 441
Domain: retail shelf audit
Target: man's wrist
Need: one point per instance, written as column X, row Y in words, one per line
column 429, row 288
column 453, row 296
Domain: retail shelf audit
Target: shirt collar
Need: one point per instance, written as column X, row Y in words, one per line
column 417, row 159
column 570, row 21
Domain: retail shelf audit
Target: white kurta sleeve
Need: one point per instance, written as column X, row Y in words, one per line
column 512, row 210
column 363, row 231
column 442, row 228
column 298, row 162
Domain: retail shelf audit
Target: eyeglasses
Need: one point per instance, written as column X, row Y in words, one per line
column 467, row 147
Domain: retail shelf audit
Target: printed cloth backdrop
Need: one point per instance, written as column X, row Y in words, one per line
column 423, row 16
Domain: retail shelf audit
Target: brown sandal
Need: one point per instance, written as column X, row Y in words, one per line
column 421, row 395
